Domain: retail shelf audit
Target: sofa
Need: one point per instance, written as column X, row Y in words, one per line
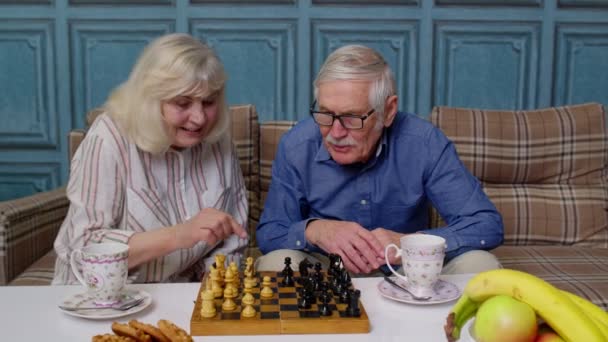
column 544, row 169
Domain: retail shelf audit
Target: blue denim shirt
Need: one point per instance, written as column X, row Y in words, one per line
column 415, row 165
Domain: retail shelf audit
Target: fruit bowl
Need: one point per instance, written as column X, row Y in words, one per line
column 466, row 335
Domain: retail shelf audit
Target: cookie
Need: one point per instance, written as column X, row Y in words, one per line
column 149, row 329
column 129, row 331
column 173, row 332
column 111, row 338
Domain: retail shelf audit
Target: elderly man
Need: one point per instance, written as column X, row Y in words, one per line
column 358, row 175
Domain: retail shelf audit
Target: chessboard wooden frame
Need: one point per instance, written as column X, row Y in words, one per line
column 276, row 315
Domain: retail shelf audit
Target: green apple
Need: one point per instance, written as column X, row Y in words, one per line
column 548, row 337
column 505, row 319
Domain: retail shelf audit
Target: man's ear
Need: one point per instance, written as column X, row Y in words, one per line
column 390, row 110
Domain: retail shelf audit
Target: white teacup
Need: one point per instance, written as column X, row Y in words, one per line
column 422, row 260
column 102, row 268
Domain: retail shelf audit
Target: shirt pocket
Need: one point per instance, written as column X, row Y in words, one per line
column 147, row 208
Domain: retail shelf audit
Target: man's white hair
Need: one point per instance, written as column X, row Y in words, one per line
column 358, row 62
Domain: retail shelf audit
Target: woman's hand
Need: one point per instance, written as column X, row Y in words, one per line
column 209, row 225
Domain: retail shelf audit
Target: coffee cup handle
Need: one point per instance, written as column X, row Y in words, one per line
column 388, row 247
column 75, row 260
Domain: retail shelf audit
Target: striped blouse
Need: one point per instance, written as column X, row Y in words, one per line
column 116, row 190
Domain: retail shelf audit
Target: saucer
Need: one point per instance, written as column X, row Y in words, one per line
column 443, row 292
column 85, row 300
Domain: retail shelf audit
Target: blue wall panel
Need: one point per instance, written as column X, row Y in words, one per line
column 486, row 3
column 27, row 84
column 260, row 61
column 581, row 67
column 22, row 179
column 103, row 53
column 583, row 3
column 493, row 65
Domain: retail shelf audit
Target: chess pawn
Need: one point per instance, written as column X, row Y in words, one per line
column 266, row 290
column 235, row 270
column 248, row 300
column 248, row 288
column 216, row 286
column 229, row 303
column 220, row 260
column 208, row 304
column 229, row 280
column 251, row 265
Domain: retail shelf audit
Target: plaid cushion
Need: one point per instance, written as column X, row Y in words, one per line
column 583, row 271
column 245, row 136
column 545, row 170
column 270, row 134
column 40, row 273
column 28, row 227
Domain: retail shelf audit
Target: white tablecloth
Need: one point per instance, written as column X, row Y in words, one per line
column 30, row 313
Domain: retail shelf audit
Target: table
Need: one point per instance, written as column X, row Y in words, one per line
column 30, row 313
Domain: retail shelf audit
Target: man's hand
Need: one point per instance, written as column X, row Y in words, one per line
column 360, row 250
column 386, row 237
column 209, row 225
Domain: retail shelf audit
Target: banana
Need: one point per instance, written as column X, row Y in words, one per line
column 590, row 308
column 462, row 311
column 597, row 315
column 551, row 304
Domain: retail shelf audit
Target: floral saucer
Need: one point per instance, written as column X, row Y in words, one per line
column 85, row 300
column 443, row 292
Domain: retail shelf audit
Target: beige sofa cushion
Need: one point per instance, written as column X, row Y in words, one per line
column 245, row 136
column 270, row 135
column 28, row 227
column 580, row 270
column 545, row 170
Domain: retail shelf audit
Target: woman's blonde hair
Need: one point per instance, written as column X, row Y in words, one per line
column 358, row 62
column 170, row 66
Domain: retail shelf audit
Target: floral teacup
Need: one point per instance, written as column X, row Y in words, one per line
column 422, row 259
column 102, row 268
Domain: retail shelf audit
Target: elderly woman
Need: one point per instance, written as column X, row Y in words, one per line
column 158, row 171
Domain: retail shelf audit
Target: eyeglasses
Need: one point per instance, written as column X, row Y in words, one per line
column 349, row 121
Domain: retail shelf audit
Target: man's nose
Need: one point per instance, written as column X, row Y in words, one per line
column 337, row 130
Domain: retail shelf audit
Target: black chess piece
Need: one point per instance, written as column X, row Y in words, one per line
column 287, row 273
column 345, row 278
column 310, row 285
column 303, row 267
column 353, row 304
column 318, row 273
column 324, row 308
column 323, row 286
column 287, row 269
column 339, row 288
column 304, row 302
column 344, row 296
column 335, row 264
column 288, row 280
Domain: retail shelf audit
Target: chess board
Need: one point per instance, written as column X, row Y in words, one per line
column 277, row 315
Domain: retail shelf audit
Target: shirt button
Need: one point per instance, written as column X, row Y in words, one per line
column 298, row 243
column 363, row 202
column 483, row 242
